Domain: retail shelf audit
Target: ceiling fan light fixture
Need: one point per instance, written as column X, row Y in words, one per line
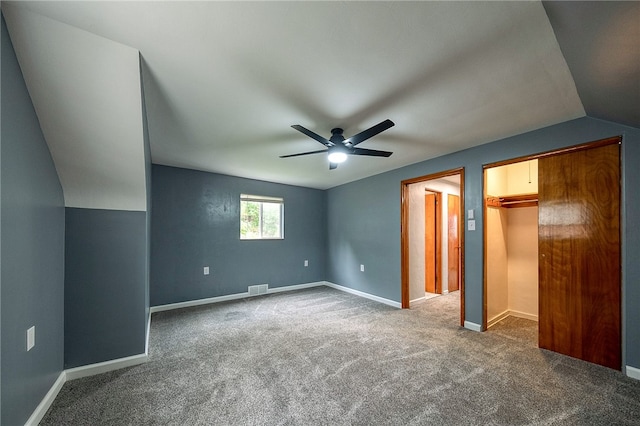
column 337, row 156
column 339, row 147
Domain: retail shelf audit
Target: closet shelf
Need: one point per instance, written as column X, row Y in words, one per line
column 510, row 201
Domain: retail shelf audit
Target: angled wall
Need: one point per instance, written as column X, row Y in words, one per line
column 364, row 218
column 196, row 223
column 87, row 94
column 105, row 269
column 147, row 176
column 32, row 249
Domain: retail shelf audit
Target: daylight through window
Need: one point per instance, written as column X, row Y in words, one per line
column 261, row 218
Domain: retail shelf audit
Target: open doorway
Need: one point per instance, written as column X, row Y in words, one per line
column 432, row 242
column 511, row 247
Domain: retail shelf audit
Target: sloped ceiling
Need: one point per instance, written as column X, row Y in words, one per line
column 224, row 81
column 601, row 43
column 87, row 95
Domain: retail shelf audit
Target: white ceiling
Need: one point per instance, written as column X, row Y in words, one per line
column 86, row 93
column 600, row 41
column 224, row 81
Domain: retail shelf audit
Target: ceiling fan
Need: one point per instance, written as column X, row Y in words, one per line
column 338, row 147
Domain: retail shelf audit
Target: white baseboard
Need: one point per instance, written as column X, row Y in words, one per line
column 510, row 313
column 106, row 366
column 228, row 297
column 493, row 321
column 46, row 402
column 295, row 287
column 633, row 372
column 524, row 315
column 472, row 326
column 363, row 294
column 236, row 296
column 198, row 302
column 419, row 299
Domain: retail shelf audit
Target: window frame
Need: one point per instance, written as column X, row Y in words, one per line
column 261, row 199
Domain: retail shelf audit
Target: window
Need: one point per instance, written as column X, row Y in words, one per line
column 261, row 218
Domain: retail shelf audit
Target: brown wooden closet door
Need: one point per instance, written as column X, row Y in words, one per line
column 579, row 249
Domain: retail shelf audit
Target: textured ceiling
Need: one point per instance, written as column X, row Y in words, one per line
column 224, row 81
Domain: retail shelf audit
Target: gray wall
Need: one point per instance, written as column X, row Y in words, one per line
column 196, row 223
column 363, row 223
column 364, row 218
column 32, row 248
column 105, row 272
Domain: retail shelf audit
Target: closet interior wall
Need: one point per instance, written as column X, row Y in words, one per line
column 512, row 244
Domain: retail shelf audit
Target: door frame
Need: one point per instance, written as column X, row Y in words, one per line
column 404, row 234
column 566, row 150
column 457, row 247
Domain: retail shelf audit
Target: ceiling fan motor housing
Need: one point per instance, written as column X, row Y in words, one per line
column 336, row 136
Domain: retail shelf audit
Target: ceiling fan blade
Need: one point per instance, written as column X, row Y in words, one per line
column 303, row 153
column 313, row 135
column 333, row 166
column 370, row 152
column 370, row 132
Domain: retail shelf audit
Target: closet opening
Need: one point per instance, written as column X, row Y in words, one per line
column 552, row 250
column 511, row 249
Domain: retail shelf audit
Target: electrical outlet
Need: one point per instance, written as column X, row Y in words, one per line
column 361, row 268
column 306, row 263
column 206, row 270
column 31, row 338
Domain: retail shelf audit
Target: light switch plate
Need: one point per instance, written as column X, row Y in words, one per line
column 206, row 270
column 31, row 337
column 470, row 214
column 306, row 263
column 361, row 268
column 471, row 225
